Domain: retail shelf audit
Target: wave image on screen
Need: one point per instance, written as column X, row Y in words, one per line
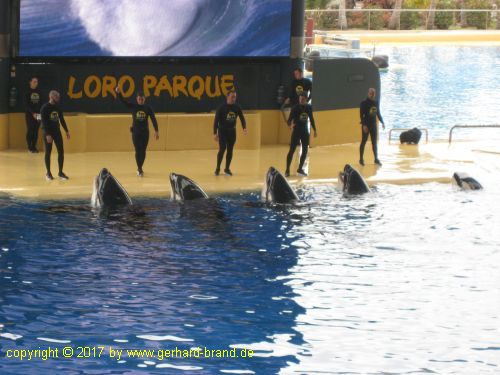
column 155, row 28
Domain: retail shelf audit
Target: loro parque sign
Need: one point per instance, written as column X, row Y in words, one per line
column 196, row 86
column 190, row 87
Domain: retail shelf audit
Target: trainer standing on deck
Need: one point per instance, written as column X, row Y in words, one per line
column 369, row 111
column 225, row 130
column 299, row 85
column 140, row 131
column 52, row 117
column 297, row 121
column 33, row 104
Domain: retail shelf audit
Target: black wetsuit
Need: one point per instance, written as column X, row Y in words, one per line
column 369, row 110
column 33, row 103
column 225, row 127
column 52, row 116
column 297, row 87
column 139, row 129
column 300, row 134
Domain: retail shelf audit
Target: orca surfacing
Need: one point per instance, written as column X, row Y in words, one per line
column 108, row 192
column 185, row 189
column 352, row 182
column 277, row 189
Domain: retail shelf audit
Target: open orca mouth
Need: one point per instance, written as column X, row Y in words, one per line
column 185, row 189
column 352, row 181
column 108, row 192
column 277, row 189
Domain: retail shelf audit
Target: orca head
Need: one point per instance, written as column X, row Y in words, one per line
column 108, row 191
column 352, row 182
column 99, row 181
column 175, row 189
column 185, row 189
column 466, row 182
column 277, row 188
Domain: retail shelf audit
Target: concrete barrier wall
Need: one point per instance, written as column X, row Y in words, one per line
column 108, row 133
column 111, row 133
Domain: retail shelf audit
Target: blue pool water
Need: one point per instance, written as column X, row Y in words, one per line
column 386, row 283
column 437, row 87
column 404, row 280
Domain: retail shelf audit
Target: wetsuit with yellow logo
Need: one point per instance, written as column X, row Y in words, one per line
column 369, row 111
column 140, row 128
column 52, row 118
column 225, row 128
column 298, row 87
column 33, row 103
column 300, row 115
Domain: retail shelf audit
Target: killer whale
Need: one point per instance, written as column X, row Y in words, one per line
column 108, row 192
column 185, row 189
column 466, row 182
column 352, row 182
column 277, row 189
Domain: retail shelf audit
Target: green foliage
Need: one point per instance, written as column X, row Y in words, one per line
column 379, row 4
column 444, row 20
column 325, row 20
column 377, row 20
column 478, row 20
column 316, row 4
column 357, row 20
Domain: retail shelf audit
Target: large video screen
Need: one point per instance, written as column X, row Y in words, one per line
column 175, row 28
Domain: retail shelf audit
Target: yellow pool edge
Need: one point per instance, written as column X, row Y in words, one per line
column 486, row 37
column 22, row 175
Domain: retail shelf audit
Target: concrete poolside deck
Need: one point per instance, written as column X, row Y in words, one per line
column 23, row 175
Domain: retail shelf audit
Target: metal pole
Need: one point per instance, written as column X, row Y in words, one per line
column 4, row 54
column 297, row 37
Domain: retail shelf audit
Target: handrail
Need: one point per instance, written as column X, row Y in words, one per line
column 405, row 129
column 402, row 10
column 489, row 16
column 469, row 126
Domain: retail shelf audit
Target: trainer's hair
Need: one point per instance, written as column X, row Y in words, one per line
column 32, row 78
column 231, row 91
column 53, row 92
column 298, row 70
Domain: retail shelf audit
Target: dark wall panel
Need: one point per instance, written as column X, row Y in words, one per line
column 4, row 85
column 169, row 88
column 343, row 83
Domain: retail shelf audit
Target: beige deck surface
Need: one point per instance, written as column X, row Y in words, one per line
column 23, row 174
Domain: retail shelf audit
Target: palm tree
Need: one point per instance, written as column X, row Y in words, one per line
column 497, row 14
column 342, row 15
column 432, row 14
column 463, row 14
column 396, row 15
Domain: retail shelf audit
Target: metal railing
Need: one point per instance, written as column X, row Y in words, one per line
column 409, row 19
column 469, row 127
column 405, row 129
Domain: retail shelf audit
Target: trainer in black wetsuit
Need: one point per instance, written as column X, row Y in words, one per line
column 140, row 127
column 299, row 85
column 52, row 116
column 33, row 103
column 299, row 116
column 369, row 111
column 225, row 130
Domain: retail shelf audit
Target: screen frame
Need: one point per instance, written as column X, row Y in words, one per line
column 16, row 41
